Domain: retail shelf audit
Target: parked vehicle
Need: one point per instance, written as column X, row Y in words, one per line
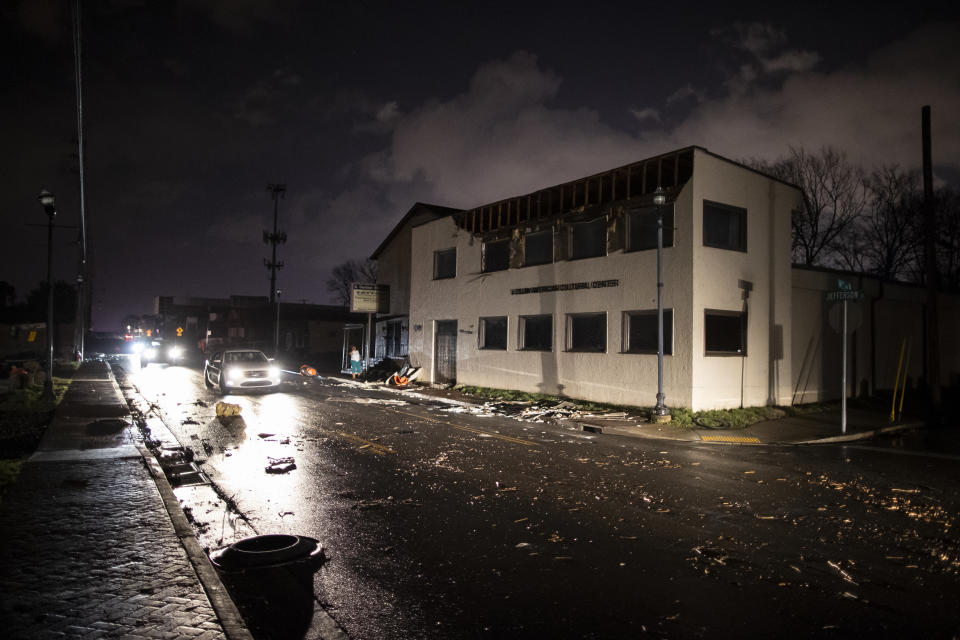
column 236, row 369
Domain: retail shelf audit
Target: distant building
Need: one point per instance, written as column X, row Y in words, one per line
column 555, row 291
column 306, row 330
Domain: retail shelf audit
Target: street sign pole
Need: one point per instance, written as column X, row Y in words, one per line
column 843, row 376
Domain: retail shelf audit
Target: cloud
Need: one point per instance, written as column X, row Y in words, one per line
column 684, row 93
column 645, row 114
column 500, row 137
column 872, row 109
column 504, row 136
column 763, row 43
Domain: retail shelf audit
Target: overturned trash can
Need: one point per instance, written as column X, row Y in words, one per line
column 270, row 578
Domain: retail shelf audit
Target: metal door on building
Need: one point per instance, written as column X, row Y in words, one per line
column 445, row 354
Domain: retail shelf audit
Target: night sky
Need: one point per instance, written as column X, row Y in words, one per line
column 362, row 108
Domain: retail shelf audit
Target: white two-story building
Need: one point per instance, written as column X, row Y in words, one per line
column 555, row 291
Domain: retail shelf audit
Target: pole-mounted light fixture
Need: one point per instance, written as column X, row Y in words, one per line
column 660, row 412
column 49, row 203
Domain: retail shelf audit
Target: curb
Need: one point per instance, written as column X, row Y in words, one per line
column 231, row 620
column 864, row 435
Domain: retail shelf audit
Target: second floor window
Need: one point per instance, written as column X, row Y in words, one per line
column 538, row 248
column 589, row 239
column 445, row 264
column 724, row 226
column 496, row 255
column 642, row 228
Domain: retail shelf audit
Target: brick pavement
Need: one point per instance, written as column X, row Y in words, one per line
column 89, row 552
column 89, row 549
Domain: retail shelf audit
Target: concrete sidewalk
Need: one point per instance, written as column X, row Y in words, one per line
column 95, row 544
column 814, row 428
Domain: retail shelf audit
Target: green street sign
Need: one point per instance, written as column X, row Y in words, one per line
column 840, row 295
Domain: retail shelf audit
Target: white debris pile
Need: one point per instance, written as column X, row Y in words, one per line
column 538, row 411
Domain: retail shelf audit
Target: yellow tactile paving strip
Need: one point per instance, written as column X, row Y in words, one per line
column 737, row 439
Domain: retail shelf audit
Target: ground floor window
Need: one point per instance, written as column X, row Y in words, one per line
column 493, row 333
column 587, row 332
column 536, row 333
column 640, row 331
column 725, row 332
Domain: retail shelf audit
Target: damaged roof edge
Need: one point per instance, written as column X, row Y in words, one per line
column 437, row 210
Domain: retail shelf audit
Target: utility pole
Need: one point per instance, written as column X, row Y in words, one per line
column 930, row 251
column 275, row 238
column 82, row 271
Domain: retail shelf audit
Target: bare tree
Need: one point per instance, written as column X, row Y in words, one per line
column 341, row 279
column 834, row 195
column 885, row 240
column 947, row 203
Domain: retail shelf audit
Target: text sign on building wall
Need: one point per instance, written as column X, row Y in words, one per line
column 370, row 298
column 570, row 286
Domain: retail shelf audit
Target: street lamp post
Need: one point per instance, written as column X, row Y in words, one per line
column 660, row 411
column 49, row 206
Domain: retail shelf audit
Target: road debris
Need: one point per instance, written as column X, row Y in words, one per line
column 843, row 574
column 228, row 409
column 280, row 465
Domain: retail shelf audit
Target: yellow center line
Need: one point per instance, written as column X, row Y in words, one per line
column 376, row 448
column 468, row 429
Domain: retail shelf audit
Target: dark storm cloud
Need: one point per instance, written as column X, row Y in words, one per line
column 362, row 110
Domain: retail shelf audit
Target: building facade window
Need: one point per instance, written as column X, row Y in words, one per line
column 588, row 239
column 536, row 333
column 587, row 332
column 642, row 228
column 445, row 263
column 724, row 226
column 725, row 333
column 640, row 331
column 496, row 255
column 538, row 248
column 493, row 333
column 236, row 332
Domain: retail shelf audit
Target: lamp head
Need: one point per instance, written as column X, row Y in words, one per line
column 658, row 197
column 49, row 202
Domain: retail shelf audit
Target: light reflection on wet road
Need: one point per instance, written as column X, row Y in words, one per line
column 448, row 525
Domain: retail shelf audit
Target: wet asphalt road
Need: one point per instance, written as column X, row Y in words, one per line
column 442, row 524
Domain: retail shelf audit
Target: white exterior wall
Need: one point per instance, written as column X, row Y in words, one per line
column 763, row 376
column 615, row 377
column 888, row 317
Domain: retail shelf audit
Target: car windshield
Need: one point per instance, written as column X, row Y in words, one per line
column 244, row 356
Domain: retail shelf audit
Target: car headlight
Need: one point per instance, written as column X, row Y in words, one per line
column 137, row 348
column 234, row 374
column 273, row 372
column 175, row 352
column 150, row 353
